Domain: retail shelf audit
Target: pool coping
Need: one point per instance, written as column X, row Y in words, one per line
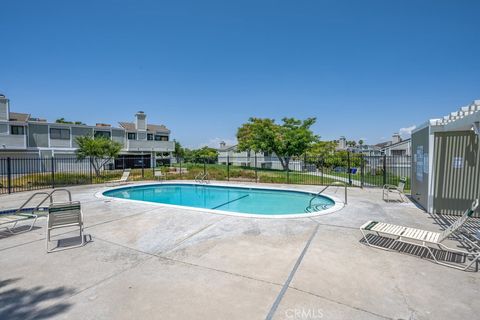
column 335, row 208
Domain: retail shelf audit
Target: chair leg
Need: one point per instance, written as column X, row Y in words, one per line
column 452, row 265
column 10, row 229
column 373, row 245
column 47, row 240
column 19, row 232
column 475, row 256
column 82, row 243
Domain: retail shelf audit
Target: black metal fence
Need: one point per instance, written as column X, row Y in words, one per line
column 22, row 174
column 355, row 169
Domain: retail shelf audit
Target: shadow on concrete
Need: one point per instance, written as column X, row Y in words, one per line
column 32, row 303
column 414, row 202
column 470, row 229
column 414, row 250
column 5, row 234
column 394, row 201
column 72, row 242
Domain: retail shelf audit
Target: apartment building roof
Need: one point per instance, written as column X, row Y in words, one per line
column 19, row 117
column 227, row 148
column 130, row 126
column 393, row 145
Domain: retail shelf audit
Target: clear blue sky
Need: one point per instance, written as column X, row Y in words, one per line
column 364, row 68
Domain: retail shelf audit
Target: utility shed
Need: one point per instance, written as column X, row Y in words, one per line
column 446, row 162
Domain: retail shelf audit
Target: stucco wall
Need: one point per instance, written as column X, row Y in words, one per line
column 420, row 170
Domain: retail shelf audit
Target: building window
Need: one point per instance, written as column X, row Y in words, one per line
column 399, row 152
column 131, row 136
column 161, row 138
column 149, row 136
column 17, row 130
column 103, row 134
column 60, row 134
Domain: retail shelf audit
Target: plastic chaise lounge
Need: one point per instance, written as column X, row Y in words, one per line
column 9, row 221
column 122, row 180
column 424, row 238
column 159, row 175
column 64, row 215
column 391, row 189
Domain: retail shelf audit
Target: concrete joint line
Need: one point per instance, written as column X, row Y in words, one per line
column 279, row 298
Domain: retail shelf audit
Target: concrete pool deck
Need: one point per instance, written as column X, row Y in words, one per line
column 151, row 262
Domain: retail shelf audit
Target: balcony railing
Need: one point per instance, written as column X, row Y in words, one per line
column 13, row 142
column 149, row 145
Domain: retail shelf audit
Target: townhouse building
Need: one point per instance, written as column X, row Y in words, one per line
column 24, row 136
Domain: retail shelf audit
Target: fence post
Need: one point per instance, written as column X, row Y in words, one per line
column 154, row 165
column 91, row 173
column 256, row 173
column 143, row 167
column 228, row 167
column 321, row 164
column 53, row 172
column 9, row 175
column 362, row 171
column 204, row 166
column 288, row 171
column 180, row 161
column 384, row 169
column 349, row 169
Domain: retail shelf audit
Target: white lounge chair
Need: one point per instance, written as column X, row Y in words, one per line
column 9, row 221
column 423, row 237
column 122, row 180
column 63, row 215
column 159, row 175
column 400, row 190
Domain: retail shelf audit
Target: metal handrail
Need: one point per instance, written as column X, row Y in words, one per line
column 335, row 183
column 49, row 195
column 201, row 177
column 33, row 196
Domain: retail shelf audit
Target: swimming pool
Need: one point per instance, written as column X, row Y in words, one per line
column 219, row 198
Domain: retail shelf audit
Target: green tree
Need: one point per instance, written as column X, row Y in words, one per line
column 179, row 150
column 321, row 149
column 100, row 151
column 352, row 143
column 201, row 155
column 340, row 159
column 289, row 139
column 361, row 142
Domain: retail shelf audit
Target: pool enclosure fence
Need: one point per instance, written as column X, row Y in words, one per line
column 28, row 173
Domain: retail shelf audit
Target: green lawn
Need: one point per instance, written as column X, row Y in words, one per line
column 237, row 173
column 372, row 180
column 216, row 172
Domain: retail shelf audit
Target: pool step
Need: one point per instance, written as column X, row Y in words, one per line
column 316, row 207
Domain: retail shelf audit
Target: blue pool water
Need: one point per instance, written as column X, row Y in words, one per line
column 234, row 199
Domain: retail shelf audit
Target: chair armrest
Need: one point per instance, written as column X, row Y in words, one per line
column 390, row 186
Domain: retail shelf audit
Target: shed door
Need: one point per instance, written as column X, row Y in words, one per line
column 457, row 171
